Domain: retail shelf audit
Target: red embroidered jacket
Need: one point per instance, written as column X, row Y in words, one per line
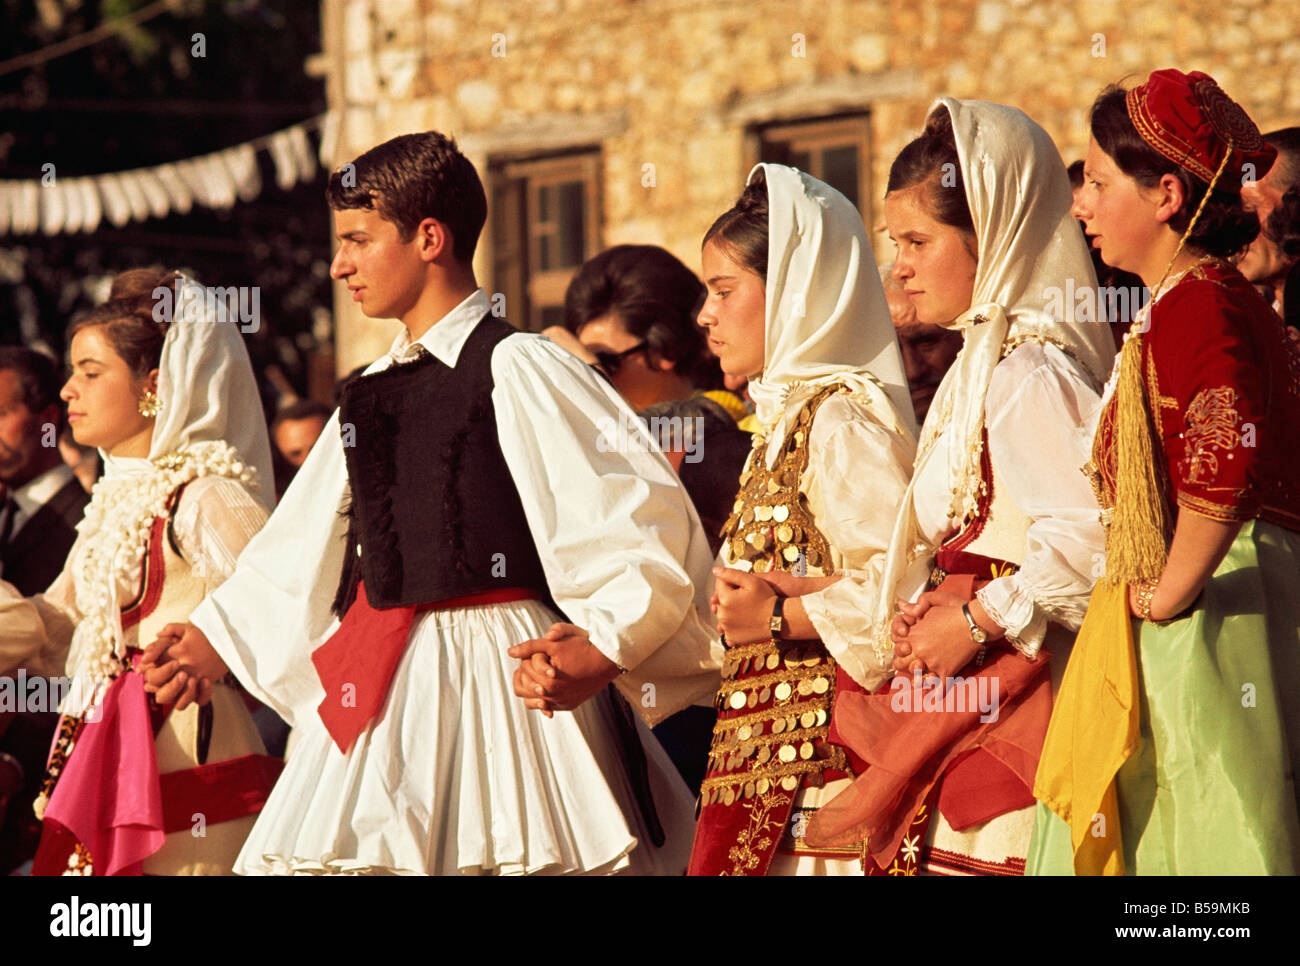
column 1224, row 378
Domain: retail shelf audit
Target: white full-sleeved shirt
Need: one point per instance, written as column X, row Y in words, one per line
column 1040, row 410
column 618, row 539
column 857, row 474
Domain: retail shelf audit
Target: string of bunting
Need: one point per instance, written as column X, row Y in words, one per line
column 57, row 205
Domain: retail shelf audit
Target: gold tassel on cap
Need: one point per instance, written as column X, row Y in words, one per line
column 1142, row 526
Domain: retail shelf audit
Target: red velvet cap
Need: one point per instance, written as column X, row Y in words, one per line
column 1188, row 119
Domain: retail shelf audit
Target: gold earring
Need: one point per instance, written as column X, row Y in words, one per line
column 150, row 405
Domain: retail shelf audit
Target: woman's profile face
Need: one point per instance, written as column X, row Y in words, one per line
column 936, row 262
column 734, row 312
column 1118, row 215
column 103, row 397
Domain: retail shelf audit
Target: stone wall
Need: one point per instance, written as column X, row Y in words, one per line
column 677, row 84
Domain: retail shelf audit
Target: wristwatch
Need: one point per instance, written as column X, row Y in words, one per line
column 777, row 620
column 977, row 633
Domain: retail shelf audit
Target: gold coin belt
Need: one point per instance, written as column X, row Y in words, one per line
column 774, row 714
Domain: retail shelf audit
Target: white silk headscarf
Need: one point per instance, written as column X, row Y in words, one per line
column 1032, row 257
column 207, row 388
column 826, row 317
column 209, row 400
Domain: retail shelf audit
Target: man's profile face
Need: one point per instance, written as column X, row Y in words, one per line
column 20, row 433
column 1263, row 263
column 294, row 438
column 382, row 272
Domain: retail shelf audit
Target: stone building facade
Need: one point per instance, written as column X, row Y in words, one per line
column 643, row 116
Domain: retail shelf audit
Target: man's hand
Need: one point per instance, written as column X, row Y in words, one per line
column 560, row 670
column 744, row 606
column 181, row 666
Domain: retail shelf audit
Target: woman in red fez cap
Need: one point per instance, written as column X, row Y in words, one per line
column 1173, row 744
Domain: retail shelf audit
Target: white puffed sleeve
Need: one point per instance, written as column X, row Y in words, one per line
column 274, row 609
column 618, row 538
column 216, row 518
column 1039, row 409
column 36, row 632
column 857, row 474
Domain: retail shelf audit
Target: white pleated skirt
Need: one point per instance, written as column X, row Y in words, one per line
column 456, row 776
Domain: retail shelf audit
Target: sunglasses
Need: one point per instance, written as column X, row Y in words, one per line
column 610, row 362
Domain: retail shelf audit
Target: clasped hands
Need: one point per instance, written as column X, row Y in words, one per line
column 181, row 666
column 560, row 670
column 931, row 636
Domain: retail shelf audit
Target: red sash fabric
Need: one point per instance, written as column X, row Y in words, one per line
column 107, row 797
column 220, row 791
column 979, row 770
column 356, row 665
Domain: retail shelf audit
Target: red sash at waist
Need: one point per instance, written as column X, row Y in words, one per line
column 356, row 665
column 219, row 791
column 989, row 763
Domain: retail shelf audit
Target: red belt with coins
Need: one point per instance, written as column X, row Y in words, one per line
column 774, row 710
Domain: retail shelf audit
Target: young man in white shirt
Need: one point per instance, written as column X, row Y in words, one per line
column 457, row 505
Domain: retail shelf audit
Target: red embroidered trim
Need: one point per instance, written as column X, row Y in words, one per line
column 151, row 582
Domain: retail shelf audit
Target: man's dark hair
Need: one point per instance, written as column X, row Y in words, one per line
column 37, row 373
column 1075, row 171
column 302, row 409
column 1287, row 142
column 413, row 177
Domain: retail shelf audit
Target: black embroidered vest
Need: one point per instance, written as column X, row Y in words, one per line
column 434, row 508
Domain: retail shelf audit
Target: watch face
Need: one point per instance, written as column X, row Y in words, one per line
column 977, row 633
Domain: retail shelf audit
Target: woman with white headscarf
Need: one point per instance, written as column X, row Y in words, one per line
column 162, row 385
column 998, row 522
column 795, row 304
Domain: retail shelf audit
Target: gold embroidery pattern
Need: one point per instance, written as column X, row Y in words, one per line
column 773, row 724
column 1212, row 422
column 908, row 858
column 775, row 699
column 754, row 841
column 64, row 739
column 79, row 861
column 771, row 526
column 1231, row 510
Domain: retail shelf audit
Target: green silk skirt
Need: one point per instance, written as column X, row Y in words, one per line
column 1211, row 789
